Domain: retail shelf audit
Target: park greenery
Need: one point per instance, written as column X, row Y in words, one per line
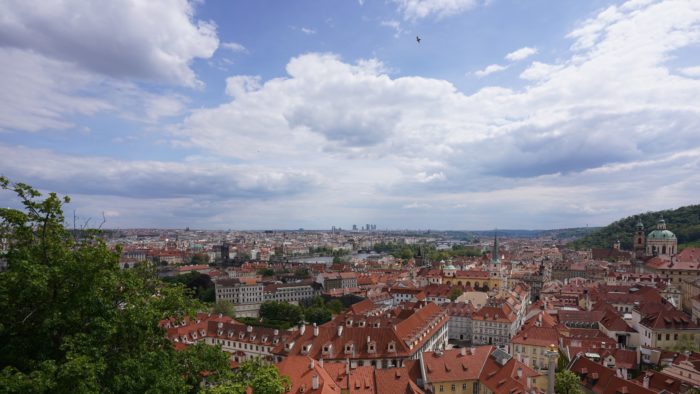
column 684, row 222
column 283, row 315
column 73, row 321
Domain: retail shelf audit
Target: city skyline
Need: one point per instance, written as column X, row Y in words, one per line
column 313, row 114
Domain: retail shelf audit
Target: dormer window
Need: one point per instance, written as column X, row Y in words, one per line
column 328, row 348
column 275, row 341
column 349, row 348
column 372, row 347
column 392, row 346
column 361, row 323
column 306, row 348
column 202, row 333
column 241, row 335
column 230, row 333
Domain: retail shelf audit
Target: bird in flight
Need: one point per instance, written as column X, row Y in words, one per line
column 418, row 39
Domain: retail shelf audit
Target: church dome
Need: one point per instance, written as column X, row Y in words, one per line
column 661, row 234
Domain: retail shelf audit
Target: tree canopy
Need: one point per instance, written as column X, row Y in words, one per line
column 684, row 222
column 567, row 382
column 73, row 321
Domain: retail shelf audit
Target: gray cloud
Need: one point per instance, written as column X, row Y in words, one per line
column 117, row 38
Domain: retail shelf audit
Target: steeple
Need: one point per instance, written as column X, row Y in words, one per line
column 494, row 253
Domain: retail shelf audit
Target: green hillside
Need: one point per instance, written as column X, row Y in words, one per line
column 684, row 222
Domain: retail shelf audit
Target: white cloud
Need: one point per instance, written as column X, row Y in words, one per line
column 611, row 103
column 308, row 30
column 418, row 9
column 234, row 47
column 520, row 54
column 490, row 69
column 691, row 71
column 539, row 71
column 117, row 39
column 393, row 24
column 39, row 93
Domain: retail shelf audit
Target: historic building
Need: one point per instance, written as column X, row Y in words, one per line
column 661, row 242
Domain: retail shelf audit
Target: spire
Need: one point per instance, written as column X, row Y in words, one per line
column 640, row 225
column 494, row 252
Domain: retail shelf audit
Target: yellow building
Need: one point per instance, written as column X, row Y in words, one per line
column 475, row 279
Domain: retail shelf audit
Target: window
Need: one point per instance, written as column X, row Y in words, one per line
column 464, row 387
column 658, row 337
column 453, row 387
column 442, row 389
column 668, row 337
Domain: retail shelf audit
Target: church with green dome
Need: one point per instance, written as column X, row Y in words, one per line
column 661, row 242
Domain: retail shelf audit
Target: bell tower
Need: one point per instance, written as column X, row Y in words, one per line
column 639, row 240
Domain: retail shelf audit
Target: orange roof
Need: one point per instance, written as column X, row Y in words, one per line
column 302, row 370
column 455, row 364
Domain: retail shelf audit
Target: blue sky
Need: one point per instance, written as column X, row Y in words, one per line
column 287, row 114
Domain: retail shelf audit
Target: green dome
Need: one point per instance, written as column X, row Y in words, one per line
column 661, row 234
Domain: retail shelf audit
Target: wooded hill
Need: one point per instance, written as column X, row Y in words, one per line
column 684, row 222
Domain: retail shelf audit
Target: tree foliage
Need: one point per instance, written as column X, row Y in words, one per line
column 73, row 321
column 257, row 374
column 276, row 312
column 200, row 285
column 455, row 293
column 567, row 382
column 684, row 222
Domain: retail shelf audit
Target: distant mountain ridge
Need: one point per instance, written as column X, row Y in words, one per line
column 683, row 221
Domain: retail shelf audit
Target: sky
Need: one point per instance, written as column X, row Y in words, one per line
column 206, row 114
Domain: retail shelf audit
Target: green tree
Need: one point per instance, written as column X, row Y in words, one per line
column 266, row 272
column 225, row 308
column 73, row 321
column 199, row 259
column 276, row 311
column 567, row 382
column 257, row 374
column 335, row 306
column 318, row 315
column 455, row 293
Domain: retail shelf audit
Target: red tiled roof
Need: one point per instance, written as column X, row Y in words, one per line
column 301, row 371
column 455, row 364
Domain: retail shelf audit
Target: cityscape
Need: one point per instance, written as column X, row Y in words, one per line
column 380, row 197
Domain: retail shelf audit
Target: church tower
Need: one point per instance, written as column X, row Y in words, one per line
column 639, row 246
column 495, row 259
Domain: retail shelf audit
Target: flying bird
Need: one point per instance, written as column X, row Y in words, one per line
column 418, row 39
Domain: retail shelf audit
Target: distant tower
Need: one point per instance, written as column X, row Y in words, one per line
column 638, row 242
column 495, row 259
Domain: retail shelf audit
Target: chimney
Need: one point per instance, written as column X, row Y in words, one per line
column 340, row 331
column 315, row 330
column 312, row 364
column 302, row 329
column 519, row 372
column 314, row 382
column 320, row 362
column 645, row 381
column 463, row 351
